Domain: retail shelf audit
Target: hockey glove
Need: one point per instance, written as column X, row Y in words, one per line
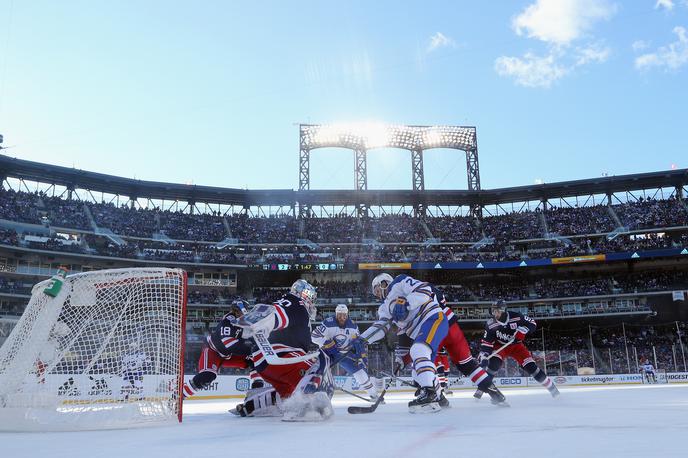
column 313, row 385
column 483, row 358
column 358, row 348
column 402, row 358
column 520, row 335
column 399, row 309
column 330, row 349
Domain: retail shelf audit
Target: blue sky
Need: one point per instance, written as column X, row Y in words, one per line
column 213, row 93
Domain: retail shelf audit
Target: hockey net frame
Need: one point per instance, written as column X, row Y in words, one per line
column 661, row 375
column 107, row 351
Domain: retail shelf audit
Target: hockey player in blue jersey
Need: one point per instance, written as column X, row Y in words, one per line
column 413, row 307
column 338, row 335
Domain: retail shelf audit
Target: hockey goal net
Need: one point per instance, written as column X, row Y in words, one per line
column 106, row 351
column 660, row 376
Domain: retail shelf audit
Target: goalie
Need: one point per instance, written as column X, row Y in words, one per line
column 648, row 372
column 302, row 384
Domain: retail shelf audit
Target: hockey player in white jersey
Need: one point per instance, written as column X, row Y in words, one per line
column 648, row 372
column 338, row 335
column 133, row 365
column 412, row 306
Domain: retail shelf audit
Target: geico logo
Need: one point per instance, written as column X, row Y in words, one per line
column 510, row 381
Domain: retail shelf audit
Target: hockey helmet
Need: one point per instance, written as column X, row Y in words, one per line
column 380, row 284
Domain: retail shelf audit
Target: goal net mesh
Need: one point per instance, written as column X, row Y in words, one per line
column 105, row 352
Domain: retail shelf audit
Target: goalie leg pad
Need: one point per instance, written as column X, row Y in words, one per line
column 308, row 407
column 261, row 402
column 311, row 399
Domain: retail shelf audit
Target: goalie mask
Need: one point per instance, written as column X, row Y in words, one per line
column 307, row 293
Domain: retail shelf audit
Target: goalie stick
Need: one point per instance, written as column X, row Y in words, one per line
column 271, row 356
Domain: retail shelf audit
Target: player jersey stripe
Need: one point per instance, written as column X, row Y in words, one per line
column 433, row 330
column 282, row 318
column 229, row 341
column 279, row 349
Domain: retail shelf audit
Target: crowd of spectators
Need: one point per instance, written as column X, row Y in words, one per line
column 8, row 237
column 66, row 213
column 459, row 233
column 10, row 286
column 579, row 220
column 512, row 288
column 454, row 228
column 514, row 226
column 125, row 220
column 272, row 229
column 19, row 206
column 649, row 213
column 211, row 296
column 185, row 226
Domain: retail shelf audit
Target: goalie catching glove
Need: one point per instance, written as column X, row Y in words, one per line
column 259, row 320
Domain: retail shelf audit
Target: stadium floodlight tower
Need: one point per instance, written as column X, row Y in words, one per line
column 361, row 137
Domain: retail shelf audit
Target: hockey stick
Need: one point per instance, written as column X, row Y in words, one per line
column 402, row 381
column 351, row 393
column 370, row 409
column 496, row 352
column 271, row 356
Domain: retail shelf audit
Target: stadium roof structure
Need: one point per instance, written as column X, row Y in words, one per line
column 79, row 179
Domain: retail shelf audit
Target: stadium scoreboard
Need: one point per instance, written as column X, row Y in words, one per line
column 304, row 267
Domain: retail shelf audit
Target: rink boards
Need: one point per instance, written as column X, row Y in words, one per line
column 232, row 386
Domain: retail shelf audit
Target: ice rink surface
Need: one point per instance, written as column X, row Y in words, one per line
column 607, row 421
